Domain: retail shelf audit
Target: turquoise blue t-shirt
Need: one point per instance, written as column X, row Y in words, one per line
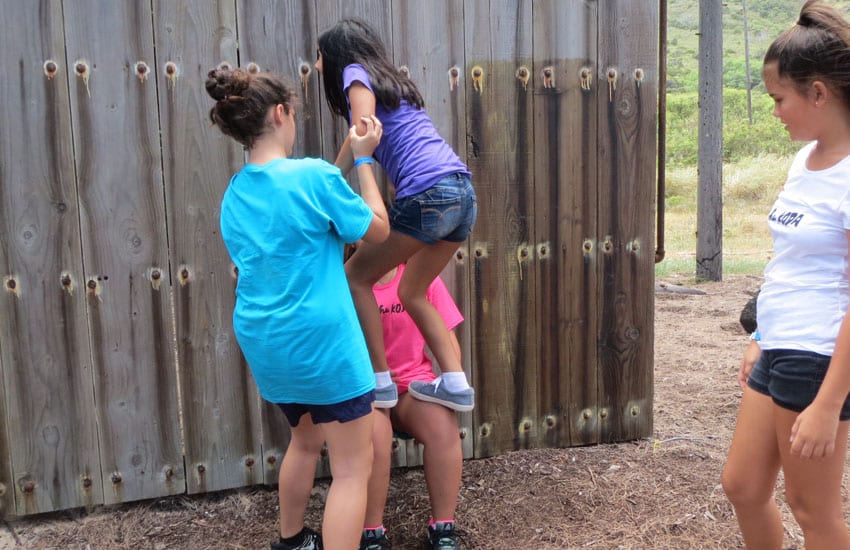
column 285, row 224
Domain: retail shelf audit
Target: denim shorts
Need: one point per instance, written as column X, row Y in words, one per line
column 446, row 211
column 344, row 411
column 792, row 378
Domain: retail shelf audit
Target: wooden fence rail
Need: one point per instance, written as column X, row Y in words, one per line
column 120, row 378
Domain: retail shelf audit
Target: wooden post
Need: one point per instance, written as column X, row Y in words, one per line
column 709, row 261
column 747, row 61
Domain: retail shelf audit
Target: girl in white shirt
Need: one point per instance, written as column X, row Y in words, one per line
column 795, row 374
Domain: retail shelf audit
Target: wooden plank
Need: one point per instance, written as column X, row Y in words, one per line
column 709, row 260
column 7, row 487
column 119, row 170
column 428, row 40
column 499, row 125
column 281, row 37
column 628, row 53
column 46, row 362
column 221, row 417
column 565, row 217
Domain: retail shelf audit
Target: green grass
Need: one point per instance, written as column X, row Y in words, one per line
column 750, row 186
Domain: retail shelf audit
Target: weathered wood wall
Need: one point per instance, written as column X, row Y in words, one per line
column 120, row 377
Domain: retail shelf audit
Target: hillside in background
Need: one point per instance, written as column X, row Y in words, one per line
column 742, row 138
column 766, row 19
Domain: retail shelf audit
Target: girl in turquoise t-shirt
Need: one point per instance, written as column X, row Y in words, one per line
column 285, row 222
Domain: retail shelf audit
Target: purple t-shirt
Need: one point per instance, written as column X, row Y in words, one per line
column 411, row 152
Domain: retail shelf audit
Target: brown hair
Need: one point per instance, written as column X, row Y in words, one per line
column 817, row 47
column 243, row 101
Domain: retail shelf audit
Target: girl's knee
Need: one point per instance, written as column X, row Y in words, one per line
column 741, row 490
column 812, row 511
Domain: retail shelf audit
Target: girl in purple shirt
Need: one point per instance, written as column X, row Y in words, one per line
column 433, row 211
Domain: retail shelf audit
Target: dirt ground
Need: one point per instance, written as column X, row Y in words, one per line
column 662, row 492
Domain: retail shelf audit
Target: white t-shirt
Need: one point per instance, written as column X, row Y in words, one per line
column 805, row 292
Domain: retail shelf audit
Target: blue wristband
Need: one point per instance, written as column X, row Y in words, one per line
column 755, row 336
column 362, row 160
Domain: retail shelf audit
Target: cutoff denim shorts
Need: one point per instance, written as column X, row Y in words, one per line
column 344, row 411
column 446, row 211
column 792, row 378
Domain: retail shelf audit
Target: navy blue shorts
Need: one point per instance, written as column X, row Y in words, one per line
column 446, row 211
column 344, row 411
column 792, row 378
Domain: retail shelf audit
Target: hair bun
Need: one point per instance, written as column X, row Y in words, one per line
column 806, row 20
column 223, row 83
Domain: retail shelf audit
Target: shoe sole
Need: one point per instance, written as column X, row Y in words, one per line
column 385, row 404
column 448, row 404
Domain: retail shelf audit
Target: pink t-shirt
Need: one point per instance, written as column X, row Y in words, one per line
column 405, row 345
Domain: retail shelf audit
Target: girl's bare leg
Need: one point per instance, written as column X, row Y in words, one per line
column 813, row 487
column 379, row 481
column 436, row 428
column 295, row 480
column 350, row 453
column 366, row 266
column 749, row 476
column 422, row 268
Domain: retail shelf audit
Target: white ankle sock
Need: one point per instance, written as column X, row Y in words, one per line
column 454, row 381
column 383, row 379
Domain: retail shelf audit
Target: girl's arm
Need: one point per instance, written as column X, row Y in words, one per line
column 814, row 431
column 362, row 102
column 363, row 146
column 751, row 356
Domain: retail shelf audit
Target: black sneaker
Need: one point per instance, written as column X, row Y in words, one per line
column 374, row 539
column 441, row 536
column 312, row 541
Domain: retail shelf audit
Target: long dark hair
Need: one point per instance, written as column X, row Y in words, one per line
column 243, row 101
column 354, row 41
column 817, row 47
